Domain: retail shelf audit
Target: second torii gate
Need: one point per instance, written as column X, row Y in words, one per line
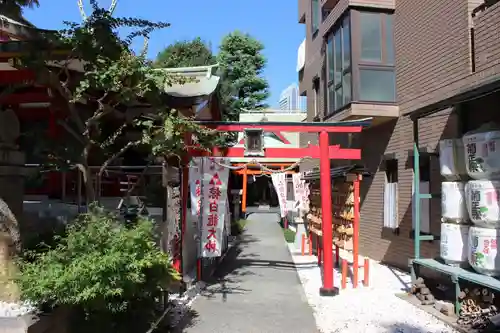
column 324, row 152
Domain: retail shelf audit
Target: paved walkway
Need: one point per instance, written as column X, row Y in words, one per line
column 256, row 290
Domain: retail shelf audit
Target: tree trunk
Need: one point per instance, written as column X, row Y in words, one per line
column 90, row 190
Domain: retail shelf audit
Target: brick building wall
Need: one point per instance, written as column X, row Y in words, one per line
column 435, row 58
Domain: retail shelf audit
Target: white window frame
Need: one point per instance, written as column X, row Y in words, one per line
column 391, row 216
column 315, row 100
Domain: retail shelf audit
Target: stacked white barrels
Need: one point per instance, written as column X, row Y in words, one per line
column 482, row 192
column 455, row 220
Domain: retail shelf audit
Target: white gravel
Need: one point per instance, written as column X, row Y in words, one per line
column 182, row 303
column 373, row 309
column 15, row 309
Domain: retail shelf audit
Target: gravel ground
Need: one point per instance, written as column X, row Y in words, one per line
column 373, row 309
column 9, row 310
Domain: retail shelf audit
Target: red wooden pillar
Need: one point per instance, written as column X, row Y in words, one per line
column 178, row 262
column 328, row 288
column 355, row 236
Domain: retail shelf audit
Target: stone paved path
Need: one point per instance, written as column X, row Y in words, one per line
column 256, row 290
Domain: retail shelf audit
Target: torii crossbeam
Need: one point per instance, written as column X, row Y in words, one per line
column 324, row 152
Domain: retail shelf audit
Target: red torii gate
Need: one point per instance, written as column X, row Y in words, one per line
column 324, row 152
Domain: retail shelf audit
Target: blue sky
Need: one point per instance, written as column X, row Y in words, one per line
column 273, row 22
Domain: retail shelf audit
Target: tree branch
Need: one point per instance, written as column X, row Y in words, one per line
column 66, row 94
column 71, row 131
column 116, row 155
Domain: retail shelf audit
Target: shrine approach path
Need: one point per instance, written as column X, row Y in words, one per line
column 255, row 290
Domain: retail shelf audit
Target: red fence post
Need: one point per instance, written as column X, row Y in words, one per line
column 366, row 271
column 343, row 283
column 355, row 236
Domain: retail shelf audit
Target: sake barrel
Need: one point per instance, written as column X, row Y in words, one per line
column 483, row 256
column 451, row 159
column 482, row 198
column 482, row 154
column 453, row 207
column 454, row 244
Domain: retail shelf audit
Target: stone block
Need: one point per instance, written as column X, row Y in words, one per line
column 444, row 307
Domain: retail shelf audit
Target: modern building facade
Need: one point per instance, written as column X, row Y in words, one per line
column 398, row 61
column 291, row 100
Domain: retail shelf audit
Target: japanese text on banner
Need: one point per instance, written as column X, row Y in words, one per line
column 279, row 182
column 214, row 205
column 195, row 177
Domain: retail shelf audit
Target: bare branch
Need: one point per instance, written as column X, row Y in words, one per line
column 116, row 155
column 66, row 94
column 140, row 179
column 71, row 131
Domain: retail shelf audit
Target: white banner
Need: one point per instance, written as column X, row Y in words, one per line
column 298, row 190
column 195, row 176
column 301, row 192
column 307, row 191
column 214, row 194
column 279, row 182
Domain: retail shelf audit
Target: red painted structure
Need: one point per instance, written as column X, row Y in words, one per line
column 325, row 153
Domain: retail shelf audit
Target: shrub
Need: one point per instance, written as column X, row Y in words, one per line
column 289, row 235
column 238, row 226
column 101, row 267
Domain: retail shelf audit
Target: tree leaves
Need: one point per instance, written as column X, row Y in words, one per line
column 242, row 65
column 114, row 80
column 186, row 54
column 166, row 135
column 100, row 264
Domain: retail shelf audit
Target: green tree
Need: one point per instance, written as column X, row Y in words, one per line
column 100, row 81
column 196, row 52
column 107, row 272
column 14, row 8
column 186, row 53
column 242, row 64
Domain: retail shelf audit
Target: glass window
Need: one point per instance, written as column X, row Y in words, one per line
column 371, row 33
column 377, row 85
column 330, row 58
column 339, row 67
column 346, row 38
column 331, row 98
column 346, row 84
column 339, row 102
column 315, row 13
column 389, row 39
column 338, row 56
